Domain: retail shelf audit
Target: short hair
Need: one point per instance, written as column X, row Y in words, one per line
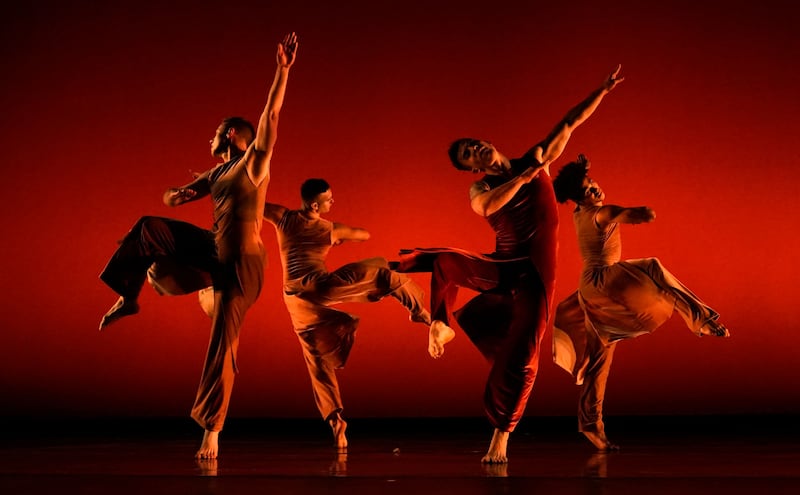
column 312, row 188
column 568, row 184
column 452, row 152
column 242, row 126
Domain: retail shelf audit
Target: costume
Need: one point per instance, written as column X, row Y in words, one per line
column 615, row 300
column 326, row 334
column 180, row 258
column 507, row 320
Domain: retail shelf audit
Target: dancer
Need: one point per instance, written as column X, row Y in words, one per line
column 508, row 319
column 326, row 334
column 183, row 258
column 615, row 299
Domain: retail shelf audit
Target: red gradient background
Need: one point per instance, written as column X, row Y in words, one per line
column 105, row 106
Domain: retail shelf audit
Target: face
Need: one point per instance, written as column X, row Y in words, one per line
column 592, row 192
column 480, row 155
column 323, row 202
column 220, row 142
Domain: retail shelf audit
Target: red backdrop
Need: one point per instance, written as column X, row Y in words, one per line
column 106, row 106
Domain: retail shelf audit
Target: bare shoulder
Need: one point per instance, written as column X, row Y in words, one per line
column 477, row 188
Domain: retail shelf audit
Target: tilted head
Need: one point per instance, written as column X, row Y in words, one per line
column 474, row 155
column 316, row 195
column 573, row 183
column 233, row 132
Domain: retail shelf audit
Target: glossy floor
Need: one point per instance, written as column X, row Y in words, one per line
column 685, row 455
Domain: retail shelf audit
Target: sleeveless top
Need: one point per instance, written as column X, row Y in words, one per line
column 238, row 210
column 598, row 247
column 527, row 226
column 304, row 244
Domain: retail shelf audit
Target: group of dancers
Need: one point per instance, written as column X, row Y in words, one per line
column 515, row 284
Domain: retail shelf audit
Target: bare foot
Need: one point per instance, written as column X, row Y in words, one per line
column 598, row 438
column 497, row 448
column 210, row 447
column 339, row 426
column 714, row 329
column 438, row 336
column 123, row 307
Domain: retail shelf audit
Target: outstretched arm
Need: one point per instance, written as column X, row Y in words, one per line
column 609, row 214
column 259, row 154
column 553, row 145
column 196, row 189
column 342, row 233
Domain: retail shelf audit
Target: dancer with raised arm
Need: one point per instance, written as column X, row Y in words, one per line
column 615, row 299
column 231, row 257
column 507, row 320
column 309, row 290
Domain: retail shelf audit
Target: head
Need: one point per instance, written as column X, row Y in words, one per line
column 573, row 183
column 316, row 195
column 473, row 155
column 233, row 132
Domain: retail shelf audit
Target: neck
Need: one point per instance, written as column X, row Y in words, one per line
column 309, row 213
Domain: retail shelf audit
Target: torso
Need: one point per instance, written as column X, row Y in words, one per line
column 598, row 247
column 304, row 244
column 528, row 224
column 238, row 210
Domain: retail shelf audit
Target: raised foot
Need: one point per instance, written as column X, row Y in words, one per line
column 439, row 335
column 210, row 447
column 600, row 441
column 497, row 449
column 714, row 328
column 123, row 307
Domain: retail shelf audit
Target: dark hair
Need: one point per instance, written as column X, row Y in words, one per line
column 568, row 184
column 312, row 188
column 242, row 126
column 452, row 152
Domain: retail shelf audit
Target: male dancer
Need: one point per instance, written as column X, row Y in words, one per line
column 232, row 257
column 615, row 299
column 327, row 334
column 508, row 319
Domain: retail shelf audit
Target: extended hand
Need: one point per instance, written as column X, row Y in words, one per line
column 613, row 79
column 181, row 195
column 287, row 49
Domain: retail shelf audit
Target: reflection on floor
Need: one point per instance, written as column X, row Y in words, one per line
column 660, row 455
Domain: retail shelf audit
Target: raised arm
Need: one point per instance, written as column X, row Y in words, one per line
column 342, row 233
column 194, row 190
column 485, row 201
column 259, row 154
column 609, row 214
column 553, row 145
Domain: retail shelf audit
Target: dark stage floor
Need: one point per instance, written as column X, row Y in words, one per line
column 660, row 455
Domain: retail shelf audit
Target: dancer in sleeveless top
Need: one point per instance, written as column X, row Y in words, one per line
column 507, row 320
column 182, row 258
column 309, row 290
column 615, row 299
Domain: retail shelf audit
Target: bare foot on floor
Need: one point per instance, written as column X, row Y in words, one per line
column 339, row 426
column 714, row 329
column 439, row 335
column 210, row 447
column 123, row 307
column 600, row 441
column 497, row 448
